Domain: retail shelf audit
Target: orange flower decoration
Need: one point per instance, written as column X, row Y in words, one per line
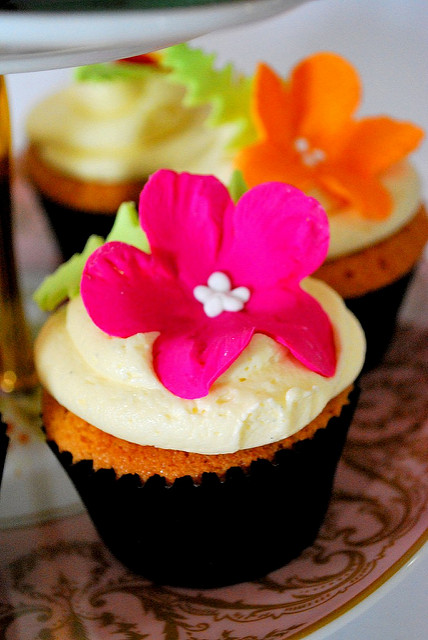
column 308, row 135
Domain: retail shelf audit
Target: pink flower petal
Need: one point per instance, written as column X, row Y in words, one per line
column 276, row 234
column 189, row 363
column 126, row 292
column 182, row 215
column 296, row 320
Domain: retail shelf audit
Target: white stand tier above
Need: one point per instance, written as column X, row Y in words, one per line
column 35, row 41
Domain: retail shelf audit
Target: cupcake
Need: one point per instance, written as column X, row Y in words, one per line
column 308, row 136
column 199, row 395
column 93, row 144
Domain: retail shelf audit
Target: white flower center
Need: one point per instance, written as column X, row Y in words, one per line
column 310, row 156
column 219, row 296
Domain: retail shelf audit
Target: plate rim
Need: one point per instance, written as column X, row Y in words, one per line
column 372, row 593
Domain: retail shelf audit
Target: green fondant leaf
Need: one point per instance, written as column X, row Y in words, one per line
column 111, row 71
column 237, row 185
column 126, row 228
column 227, row 92
column 64, row 283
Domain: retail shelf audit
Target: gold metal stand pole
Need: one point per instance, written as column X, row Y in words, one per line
column 16, row 362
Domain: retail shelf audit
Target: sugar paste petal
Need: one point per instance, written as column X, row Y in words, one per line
column 379, row 142
column 275, row 234
column 266, row 162
column 272, row 107
column 325, row 92
column 373, row 201
column 182, row 215
column 126, row 292
column 296, row 320
column 189, row 363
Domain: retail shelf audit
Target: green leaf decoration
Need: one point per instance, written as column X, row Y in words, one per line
column 227, row 92
column 64, row 283
column 126, row 228
column 112, row 71
column 237, row 185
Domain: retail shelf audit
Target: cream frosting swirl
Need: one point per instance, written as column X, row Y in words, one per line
column 126, row 129
column 266, row 395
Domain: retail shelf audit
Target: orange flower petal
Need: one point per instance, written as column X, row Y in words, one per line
column 264, row 162
column 271, row 106
column 325, row 92
column 366, row 194
column 379, row 142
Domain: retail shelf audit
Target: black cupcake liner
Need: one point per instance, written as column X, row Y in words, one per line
column 377, row 312
column 73, row 227
column 4, row 442
column 217, row 532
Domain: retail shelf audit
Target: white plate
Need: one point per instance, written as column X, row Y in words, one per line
column 35, row 40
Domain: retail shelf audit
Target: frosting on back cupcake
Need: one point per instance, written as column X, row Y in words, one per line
column 148, row 361
column 115, row 127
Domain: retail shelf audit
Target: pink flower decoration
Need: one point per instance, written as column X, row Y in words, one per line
column 217, row 273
